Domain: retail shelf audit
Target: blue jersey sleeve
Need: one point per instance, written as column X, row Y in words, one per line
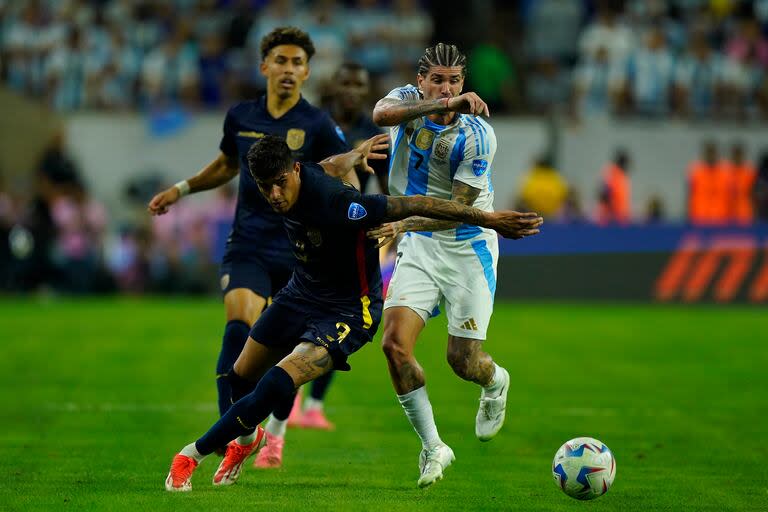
column 329, row 140
column 228, row 144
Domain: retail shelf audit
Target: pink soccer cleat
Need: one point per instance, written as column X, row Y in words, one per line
column 294, row 419
column 315, row 419
column 180, row 475
column 271, row 456
column 230, row 467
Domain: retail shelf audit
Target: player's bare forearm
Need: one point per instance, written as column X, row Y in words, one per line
column 339, row 166
column 508, row 224
column 401, row 207
column 391, row 111
column 215, row 174
column 462, row 193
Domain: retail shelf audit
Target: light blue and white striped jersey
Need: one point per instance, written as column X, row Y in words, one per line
column 428, row 157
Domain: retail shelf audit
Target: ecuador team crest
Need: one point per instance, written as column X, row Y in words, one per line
column 295, row 138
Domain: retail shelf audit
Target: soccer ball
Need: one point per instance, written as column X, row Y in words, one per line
column 584, row 468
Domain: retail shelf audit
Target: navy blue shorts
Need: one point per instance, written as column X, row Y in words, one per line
column 291, row 319
column 263, row 275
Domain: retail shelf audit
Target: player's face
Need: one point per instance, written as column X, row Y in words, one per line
column 352, row 89
column 286, row 68
column 282, row 191
column 441, row 82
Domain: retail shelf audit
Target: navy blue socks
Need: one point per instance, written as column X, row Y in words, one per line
column 235, row 335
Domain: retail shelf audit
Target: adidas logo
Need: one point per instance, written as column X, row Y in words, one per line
column 469, row 325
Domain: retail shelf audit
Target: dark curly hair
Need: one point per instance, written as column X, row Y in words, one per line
column 287, row 35
column 268, row 157
column 442, row 54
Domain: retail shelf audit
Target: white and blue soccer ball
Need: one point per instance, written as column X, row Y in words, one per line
column 584, row 468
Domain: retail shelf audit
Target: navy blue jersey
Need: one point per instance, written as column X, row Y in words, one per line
column 361, row 130
column 311, row 135
column 338, row 266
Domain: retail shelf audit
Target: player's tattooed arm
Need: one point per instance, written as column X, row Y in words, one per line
column 462, row 193
column 221, row 170
column 508, row 224
column 392, row 111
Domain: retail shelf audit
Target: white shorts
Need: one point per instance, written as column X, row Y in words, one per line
column 462, row 272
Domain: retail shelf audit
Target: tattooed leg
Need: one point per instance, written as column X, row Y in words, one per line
column 306, row 362
column 469, row 361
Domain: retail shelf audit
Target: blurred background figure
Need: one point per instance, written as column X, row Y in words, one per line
column 709, row 188
column 742, row 179
column 543, row 189
column 615, row 205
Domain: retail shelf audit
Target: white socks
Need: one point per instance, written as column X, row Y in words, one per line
column 191, row 451
column 246, row 440
column 312, row 404
column 419, row 411
column 493, row 389
column 276, row 427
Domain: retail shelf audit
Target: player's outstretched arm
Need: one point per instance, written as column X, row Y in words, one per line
column 508, row 224
column 215, row 174
column 393, row 111
column 462, row 193
column 344, row 165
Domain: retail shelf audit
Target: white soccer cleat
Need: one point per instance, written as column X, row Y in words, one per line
column 490, row 415
column 433, row 462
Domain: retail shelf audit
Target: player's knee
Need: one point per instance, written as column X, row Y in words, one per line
column 460, row 360
column 394, row 348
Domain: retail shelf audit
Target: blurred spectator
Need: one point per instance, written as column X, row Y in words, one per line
column 412, row 30
column 742, row 178
column 655, row 211
column 709, row 188
column 547, row 87
column 69, row 73
column 170, row 72
column 552, row 29
column 56, row 166
column 371, row 35
column 748, row 40
column 596, row 86
column 213, row 71
column 606, row 32
column 491, row 74
column 761, row 188
column 80, row 223
column 647, row 76
column 330, row 39
column 615, row 205
column 698, row 79
column 543, row 190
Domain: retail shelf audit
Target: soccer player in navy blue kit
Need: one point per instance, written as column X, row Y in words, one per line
column 350, row 89
column 332, row 305
column 258, row 260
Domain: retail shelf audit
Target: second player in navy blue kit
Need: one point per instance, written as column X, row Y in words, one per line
column 258, row 260
column 332, row 304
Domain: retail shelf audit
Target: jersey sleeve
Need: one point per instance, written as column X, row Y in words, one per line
column 349, row 208
column 479, row 150
column 329, row 140
column 228, row 144
column 406, row 92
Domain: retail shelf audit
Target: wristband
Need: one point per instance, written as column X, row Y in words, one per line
column 183, row 188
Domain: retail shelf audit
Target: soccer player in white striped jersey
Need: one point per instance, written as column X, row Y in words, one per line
column 442, row 148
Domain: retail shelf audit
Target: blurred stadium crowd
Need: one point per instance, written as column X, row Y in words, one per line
column 700, row 60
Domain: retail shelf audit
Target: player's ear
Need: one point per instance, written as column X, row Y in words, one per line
column 296, row 167
column 263, row 67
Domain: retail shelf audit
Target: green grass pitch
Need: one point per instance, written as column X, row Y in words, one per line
column 97, row 396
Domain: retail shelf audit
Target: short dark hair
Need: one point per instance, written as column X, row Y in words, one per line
column 269, row 157
column 442, row 54
column 287, row 35
column 351, row 65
